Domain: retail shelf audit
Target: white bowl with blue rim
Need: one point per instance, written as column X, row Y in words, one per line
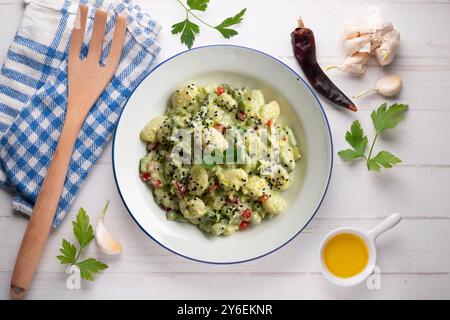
column 300, row 109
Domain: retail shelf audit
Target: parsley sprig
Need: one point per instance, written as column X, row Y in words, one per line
column 70, row 254
column 189, row 29
column 383, row 118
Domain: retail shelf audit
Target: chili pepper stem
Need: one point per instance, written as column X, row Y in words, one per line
column 300, row 23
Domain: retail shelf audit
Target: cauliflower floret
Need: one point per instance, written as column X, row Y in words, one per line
column 192, row 208
column 253, row 101
column 256, row 218
column 164, row 198
column 230, row 229
column 216, row 203
column 214, row 138
column 255, row 187
column 287, row 157
column 198, row 180
column 220, row 116
column 218, row 228
column 185, row 96
column 232, row 178
column 227, row 102
column 165, row 131
column 281, row 179
column 274, row 205
column 149, row 133
column 269, row 111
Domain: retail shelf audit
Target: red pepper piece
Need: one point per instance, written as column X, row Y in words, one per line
column 242, row 115
column 180, row 187
column 145, row 176
column 247, row 214
column 213, row 187
column 243, row 225
column 219, row 127
column 220, row 90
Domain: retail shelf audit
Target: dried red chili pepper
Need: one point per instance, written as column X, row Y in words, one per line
column 304, row 47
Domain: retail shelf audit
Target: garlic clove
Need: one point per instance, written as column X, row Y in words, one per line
column 354, row 45
column 354, row 64
column 105, row 241
column 388, row 48
column 357, row 69
column 389, row 86
column 358, row 58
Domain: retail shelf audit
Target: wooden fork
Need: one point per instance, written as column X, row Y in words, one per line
column 86, row 81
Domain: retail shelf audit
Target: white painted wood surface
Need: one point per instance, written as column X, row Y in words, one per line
column 414, row 258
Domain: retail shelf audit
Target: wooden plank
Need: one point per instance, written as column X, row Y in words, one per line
column 232, row 286
column 421, row 139
column 414, row 246
column 263, row 21
column 414, row 191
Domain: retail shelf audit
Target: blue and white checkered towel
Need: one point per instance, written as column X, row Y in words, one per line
column 33, row 95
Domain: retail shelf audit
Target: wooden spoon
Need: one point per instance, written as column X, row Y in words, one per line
column 86, row 81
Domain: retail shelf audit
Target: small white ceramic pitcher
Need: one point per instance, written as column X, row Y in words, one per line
column 369, row 237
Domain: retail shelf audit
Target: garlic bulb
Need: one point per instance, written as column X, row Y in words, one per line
column 371, row 34
column 105, row 241
column 387, row 86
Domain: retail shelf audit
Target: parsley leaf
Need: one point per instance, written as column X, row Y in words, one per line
column 82, row 229
column 356, row 138
column 388, row 117
column 90, row 266
column 69, row 253
column 383, row 158
column 223, row 27
column 178, row 27
column 349, row 154
column 188, row 29
column 199, row 5
column 383, row 118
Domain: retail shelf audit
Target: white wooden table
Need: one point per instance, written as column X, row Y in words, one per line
column 414, row 258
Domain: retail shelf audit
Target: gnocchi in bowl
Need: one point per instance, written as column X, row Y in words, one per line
column 246, row 157
column 280, row 89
